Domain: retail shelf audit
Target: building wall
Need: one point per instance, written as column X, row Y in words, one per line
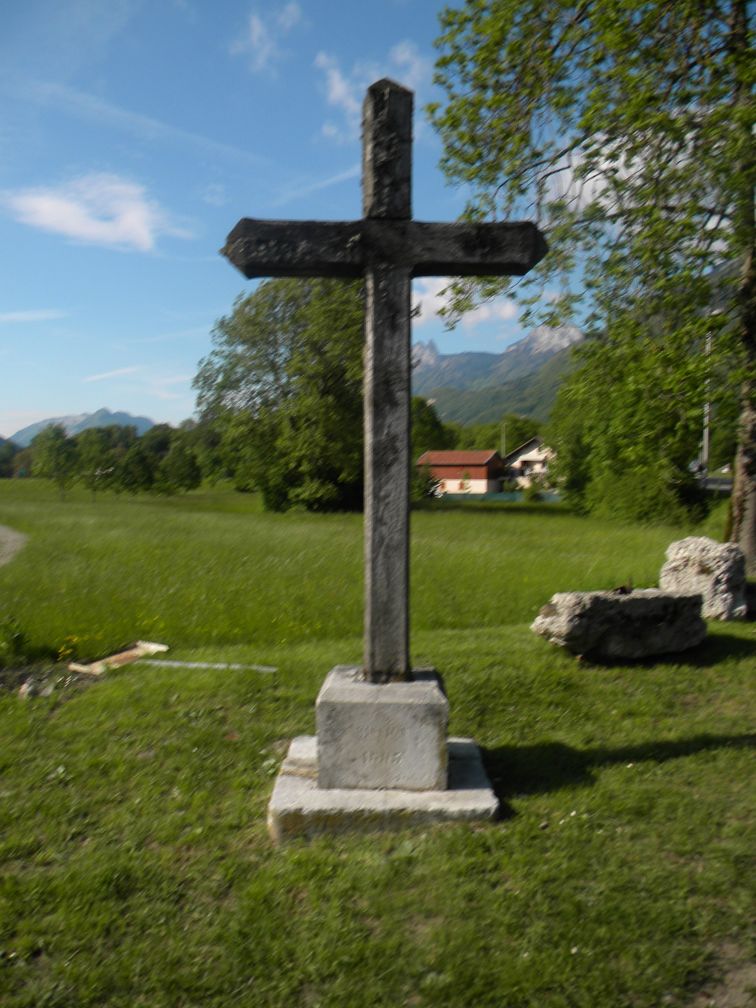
column 459, row 472
column 458, row 485
column 533, row 463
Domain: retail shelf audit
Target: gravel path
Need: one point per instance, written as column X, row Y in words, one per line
column 10, row 543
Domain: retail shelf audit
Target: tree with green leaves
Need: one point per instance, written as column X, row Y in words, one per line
column 283, row 384
column 502, row 435
column 8, row 451
column 96, row 461
column 429, row 433
column 624, row 129
column 179, row 469
column 54, row 456
column 134, row 470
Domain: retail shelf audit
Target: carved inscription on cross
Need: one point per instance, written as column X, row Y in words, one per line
column 387, row 248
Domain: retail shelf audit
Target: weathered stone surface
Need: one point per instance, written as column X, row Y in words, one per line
column 347, row 248
column 387, row 472
column 714, row 570
column 614, row 625
column 387, row 248
column 381, row 735
column 387, row 151
column 299, row 808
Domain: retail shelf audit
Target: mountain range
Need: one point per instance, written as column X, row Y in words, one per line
column 480, row 387
column 468, row 387
column 77, row 423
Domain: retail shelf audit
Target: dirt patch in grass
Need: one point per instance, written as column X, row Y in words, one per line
column 736, row 986
column 10, row 543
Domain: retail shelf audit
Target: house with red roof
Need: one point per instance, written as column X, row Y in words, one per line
column 464, row 472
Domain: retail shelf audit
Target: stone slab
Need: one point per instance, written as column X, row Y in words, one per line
column 299, row 808
column 620, row 625
column 382, row 735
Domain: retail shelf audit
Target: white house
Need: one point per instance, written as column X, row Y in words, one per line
column 530, row 460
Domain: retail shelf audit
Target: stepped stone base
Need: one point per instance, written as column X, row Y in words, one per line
column 299, row 808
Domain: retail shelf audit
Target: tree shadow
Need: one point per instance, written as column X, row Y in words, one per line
column 549, row 766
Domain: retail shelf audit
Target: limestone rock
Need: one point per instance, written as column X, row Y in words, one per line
column 715, row 570
column 607, row 624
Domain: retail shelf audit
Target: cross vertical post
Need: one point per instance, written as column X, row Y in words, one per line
column 387, row 248
column 387, row 170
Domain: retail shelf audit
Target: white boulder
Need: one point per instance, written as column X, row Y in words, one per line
column 715, row 570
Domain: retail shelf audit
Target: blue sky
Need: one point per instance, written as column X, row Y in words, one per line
column 135, row 133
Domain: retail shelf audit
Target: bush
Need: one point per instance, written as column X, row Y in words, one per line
column 423, row 484
column 13, row 642
column 533, row 491
column 632, row 498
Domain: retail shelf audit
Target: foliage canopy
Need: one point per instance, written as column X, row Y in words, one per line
column 283, row 383
column 624, row 130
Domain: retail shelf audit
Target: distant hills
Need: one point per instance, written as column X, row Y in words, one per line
column 82, row 421
column 480, row 387
column 466, row 387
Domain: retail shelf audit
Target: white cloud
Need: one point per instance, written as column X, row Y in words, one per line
column 98, row 209
column 297, row 191
column 146, row 128
column 33, row 315
column 415, row 69
column 430, row 296
column 161, row 387
column 500, row 309
column 262, row 37
column 119, row 372
column 345, row 90
column 156, row 385
column 289, row 16
column 258, row 43
column 342, row 93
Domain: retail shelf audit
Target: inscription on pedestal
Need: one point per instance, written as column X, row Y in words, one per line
column 390, row 735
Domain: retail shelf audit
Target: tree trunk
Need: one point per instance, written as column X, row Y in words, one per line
column 743, row 503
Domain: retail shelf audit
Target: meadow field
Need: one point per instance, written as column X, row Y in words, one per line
column 135, row 867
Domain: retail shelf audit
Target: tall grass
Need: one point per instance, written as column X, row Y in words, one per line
column 210, row 568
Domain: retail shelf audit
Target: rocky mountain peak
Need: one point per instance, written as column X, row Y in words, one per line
column 425, row 354
column 548, row 339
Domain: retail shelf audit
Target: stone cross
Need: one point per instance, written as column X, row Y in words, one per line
column 387, row 248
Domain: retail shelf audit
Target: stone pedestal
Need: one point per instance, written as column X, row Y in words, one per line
column 381, row 760
column 376, row 736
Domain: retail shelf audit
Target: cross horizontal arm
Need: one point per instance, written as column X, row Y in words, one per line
column 347, row 248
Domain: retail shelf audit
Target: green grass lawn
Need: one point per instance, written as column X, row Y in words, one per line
column 135, row 865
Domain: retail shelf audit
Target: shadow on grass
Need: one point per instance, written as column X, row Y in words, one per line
column 716, row 648
column 537, row 769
